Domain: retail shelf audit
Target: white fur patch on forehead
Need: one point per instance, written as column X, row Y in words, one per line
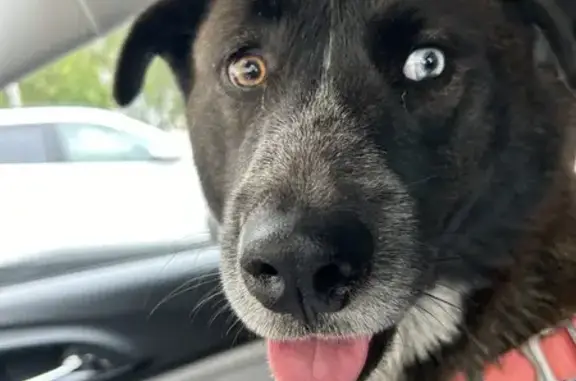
column 328, row 50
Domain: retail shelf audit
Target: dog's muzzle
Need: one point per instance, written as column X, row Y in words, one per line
column 307, row 265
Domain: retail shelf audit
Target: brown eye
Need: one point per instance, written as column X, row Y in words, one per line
column 248, row 71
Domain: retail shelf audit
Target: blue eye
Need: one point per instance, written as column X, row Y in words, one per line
column 424, row 63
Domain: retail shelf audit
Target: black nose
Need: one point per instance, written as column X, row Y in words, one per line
column 304, row 265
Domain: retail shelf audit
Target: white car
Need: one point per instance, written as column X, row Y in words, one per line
column 77, row 179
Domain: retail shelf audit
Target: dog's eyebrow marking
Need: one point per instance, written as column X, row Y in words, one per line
column 328, row 52
column 330, row 46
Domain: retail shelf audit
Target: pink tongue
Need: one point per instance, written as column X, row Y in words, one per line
column 318, row 360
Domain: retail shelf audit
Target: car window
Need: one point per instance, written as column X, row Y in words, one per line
column 94, row 143
column 23, row 144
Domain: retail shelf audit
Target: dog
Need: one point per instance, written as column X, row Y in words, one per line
column 392, row 179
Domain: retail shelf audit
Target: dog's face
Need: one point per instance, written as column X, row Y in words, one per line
column 370, row 161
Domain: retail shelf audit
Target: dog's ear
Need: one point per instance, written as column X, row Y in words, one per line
column 556, row 24
column 166, row 29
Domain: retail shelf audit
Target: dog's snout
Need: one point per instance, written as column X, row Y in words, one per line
column 304, row 265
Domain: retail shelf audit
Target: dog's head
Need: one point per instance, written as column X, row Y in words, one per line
column 372, row 163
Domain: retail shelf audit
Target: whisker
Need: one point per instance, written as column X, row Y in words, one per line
column 207, row 277
column 446, row 302
column 232, row 316
column 235, row 321
column 168, row 262
column 422, row 181
column 182, row 289
column 449, row 287
column 216, row 292
column 238, row 332
column 462, row 326
column 219, row 312
column 432, row 354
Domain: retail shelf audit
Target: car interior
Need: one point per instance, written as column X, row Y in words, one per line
column 110, row 312
column 109, row 254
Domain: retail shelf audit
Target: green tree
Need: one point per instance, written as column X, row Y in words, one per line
column 84, row 78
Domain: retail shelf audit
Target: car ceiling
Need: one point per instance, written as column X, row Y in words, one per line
column 35, row 32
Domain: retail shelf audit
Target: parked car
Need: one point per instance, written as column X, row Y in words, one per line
column 77, row 178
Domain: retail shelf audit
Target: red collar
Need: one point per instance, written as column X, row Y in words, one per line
column 550, row 356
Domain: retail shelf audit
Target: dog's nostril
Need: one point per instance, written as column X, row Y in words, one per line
column 263, row 281
column 333, row 279
column 260, row 269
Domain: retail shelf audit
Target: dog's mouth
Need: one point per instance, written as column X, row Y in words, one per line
column 326, row 359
